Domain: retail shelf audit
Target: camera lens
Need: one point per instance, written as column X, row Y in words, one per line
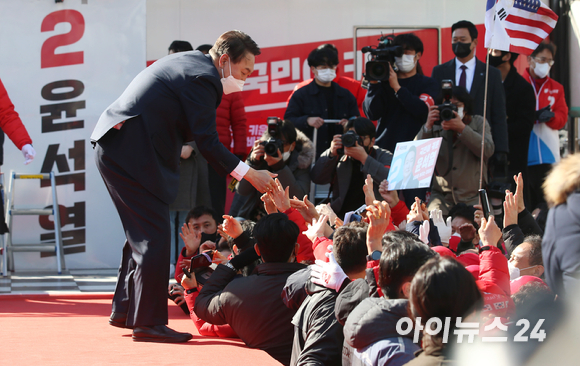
column 447, row 114
column 349, row 140
column 271, row 149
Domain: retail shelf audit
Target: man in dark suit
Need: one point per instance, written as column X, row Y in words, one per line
column 520, row 110
column 138, row 142
column 467, row 71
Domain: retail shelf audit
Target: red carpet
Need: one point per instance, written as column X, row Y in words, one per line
column 73, row 330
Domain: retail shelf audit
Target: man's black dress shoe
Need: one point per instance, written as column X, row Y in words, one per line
column 119, row 320
column 159, row 333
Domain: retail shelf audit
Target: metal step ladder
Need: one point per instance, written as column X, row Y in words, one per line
column 47, row 247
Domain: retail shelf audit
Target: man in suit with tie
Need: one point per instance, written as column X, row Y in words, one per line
column 467, row 71
column 138, row 142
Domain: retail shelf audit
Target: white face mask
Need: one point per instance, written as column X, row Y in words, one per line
column 326, row 75
column 286, row 155
column 405, row 63
column 231, row 84
column 515, row 272
column 460, row 112
column 541, row 70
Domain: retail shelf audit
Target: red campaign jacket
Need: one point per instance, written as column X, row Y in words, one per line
column 207, row 329
column 10, row 122
column 350, row 84
column 550, row 88
column 305, row 251
column 399, row 213
column 231, row 113
column 494, row 283
column 178, row 269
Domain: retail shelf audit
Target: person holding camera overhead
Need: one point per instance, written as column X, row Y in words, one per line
column 400, row 101
column 458, row 165
column 283, row 150
column 347, row 162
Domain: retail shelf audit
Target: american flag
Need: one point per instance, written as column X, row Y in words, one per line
column 517, row 25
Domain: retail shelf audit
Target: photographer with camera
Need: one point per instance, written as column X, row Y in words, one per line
column 399, row 98
column 458, row 165
column 347, row 162
column 322, row 99
column 283, row 150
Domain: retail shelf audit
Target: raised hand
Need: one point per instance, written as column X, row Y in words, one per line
column 369, row 190
column 328, row 274
column 444, row 228
column 231, row 226
column 510, row 208
column 379, row 215
column 489, row 232
column 316, row 230
column 269, row 204
column 305, row 207
column 520, row 192
column 280, row 196
column 191, row 238
column 392, row 197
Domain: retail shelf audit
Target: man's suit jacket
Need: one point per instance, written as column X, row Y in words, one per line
column 496, row 109
column 169, row 103
column 521, row 113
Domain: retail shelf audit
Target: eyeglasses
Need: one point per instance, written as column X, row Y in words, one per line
column 543, row 60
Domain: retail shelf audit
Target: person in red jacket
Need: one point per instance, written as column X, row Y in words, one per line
column 12, row 125
column 551, row 116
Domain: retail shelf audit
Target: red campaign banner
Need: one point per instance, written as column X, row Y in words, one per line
column 279, row 69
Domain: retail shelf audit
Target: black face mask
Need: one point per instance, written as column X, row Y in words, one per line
column 461, row 49
column 495, row 61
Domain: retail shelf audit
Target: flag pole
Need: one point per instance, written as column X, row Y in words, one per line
column 484, row 120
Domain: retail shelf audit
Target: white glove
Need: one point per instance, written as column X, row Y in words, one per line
column 29, row 153
column 327, row 274
column 424, row 232
column 443, row 228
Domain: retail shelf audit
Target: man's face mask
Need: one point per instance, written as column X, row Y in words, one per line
column 405, row 63
column 495, row 61
column 461, row 49
column 326, row 75
column 231, row 84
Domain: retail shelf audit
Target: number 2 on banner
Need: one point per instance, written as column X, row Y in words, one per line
column 48, row 56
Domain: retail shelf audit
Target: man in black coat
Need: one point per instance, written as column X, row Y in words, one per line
column 138, row 142
column 467, row 71
column 520, row 110
column 321, row 100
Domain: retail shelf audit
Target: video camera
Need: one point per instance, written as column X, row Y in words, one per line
column 349, row 139
column 383, row 55
column 274, row 143
column 446, row 108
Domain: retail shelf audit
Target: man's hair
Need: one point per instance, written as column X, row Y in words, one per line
column 235, row 43
column 199, row 211
column 403, row 254
column 362, row 127
column 532, row 293
column 350, row 248
column 287, row 132
column 323, row 55
column 465, row 24
column 442, row 288
column 535, row 256
column 545, row 46
column 464, row 211
column 276, row 236
column 462, row 95
column 410, row 41
column 180, row 46
column 204, row 48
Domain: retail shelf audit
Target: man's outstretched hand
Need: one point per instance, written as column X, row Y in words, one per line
column 262, row 180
